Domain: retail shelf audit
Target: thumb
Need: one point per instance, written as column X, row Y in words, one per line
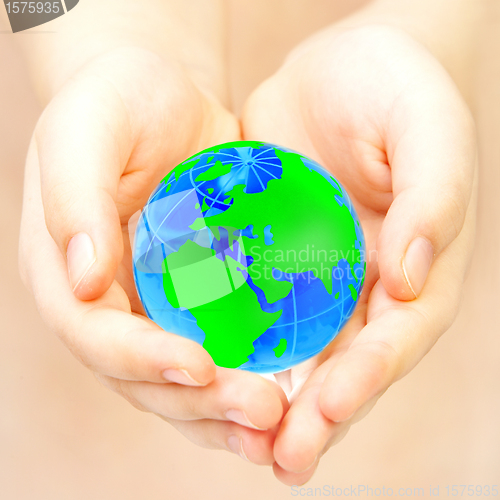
column 81, row 143
column 432, row 162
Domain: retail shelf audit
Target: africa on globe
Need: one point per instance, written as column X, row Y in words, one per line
column 252, row 250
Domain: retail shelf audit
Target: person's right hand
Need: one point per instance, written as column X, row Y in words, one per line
column 112, row 132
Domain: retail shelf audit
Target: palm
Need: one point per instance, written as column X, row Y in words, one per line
column 160, row 155
column 151, row 144
column 341, row 131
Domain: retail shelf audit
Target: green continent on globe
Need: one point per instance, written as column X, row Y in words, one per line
column 217, row 170
column 306, row 223
column 220, row 299
column 193, row 160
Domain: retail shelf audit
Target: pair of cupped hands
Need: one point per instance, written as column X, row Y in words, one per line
column 370, row 104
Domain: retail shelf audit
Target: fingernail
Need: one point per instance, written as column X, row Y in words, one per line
column 180, row 376
column 340, row 420
column 315, row 462
column 235, row 444
column 241, row 418
column 417, row 262
column 81, row 257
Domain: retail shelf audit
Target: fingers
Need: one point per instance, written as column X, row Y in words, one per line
column 244, row 398
column 128, row 347
column 395, row 339
column 115, row 343
column 432, row 154
column 103, row 144
column 83, row 143
column 251, row 445
column 223, row 415
column 293, row 478
column 306, row 433
column 381, row 353
column 347, row 385
column 399, row 334
column 303, row 432
column 297, row 464
column 101, row 333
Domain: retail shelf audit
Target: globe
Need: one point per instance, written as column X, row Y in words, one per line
column 252, row 250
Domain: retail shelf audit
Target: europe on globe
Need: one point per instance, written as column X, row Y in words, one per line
column 252, row 250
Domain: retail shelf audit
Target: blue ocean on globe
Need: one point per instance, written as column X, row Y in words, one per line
column 252, row 250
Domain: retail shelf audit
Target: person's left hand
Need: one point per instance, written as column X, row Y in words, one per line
column 376, row 109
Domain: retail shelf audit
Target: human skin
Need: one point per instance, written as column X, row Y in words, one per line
column 315, row 103
column 117, row 122
column 407, row 159
column 369, row 99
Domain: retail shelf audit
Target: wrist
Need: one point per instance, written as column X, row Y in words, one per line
column 163, row 27
column 50, row 75
column 458, row 60
column 449, row 29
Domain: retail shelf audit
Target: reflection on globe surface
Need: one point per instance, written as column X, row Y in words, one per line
column 252, row 250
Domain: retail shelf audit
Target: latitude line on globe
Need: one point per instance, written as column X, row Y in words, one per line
column 155, row 233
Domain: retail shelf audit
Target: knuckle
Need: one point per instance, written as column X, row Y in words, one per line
column 444, row 214
column 134, row 356
column 70, row 332
column 75, row 347
column 59, row 200
column 123, row 388
column 208, row 437
column 450, row 209
column 384, row 361
column 190, row 409
column 455, row 200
